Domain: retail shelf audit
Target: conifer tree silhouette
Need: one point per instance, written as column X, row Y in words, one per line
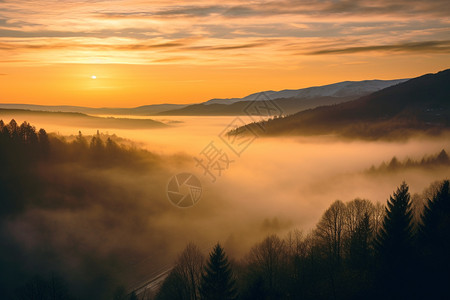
column 217, row 280
column 434, row 243
column 394, row 246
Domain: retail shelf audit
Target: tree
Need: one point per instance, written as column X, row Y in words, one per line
column 268, row 263
column 54, row 288
column 378, row 217
column 434, row 239
column 360, row 243
column 172, row 288
column 330, row 230
column 133, row 296
column 184, row 280
column 355, row 212
column 120, row 293
column 394, row 245
column 218, row 282
column 43, row 142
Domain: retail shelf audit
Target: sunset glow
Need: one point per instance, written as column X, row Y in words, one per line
column 150, row 52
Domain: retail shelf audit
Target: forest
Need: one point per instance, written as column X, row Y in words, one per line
column 358, row 250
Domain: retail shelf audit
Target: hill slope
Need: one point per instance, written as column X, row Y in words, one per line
column 419, row 104
column 290, row 101
column 146, row 110
column 81, row 120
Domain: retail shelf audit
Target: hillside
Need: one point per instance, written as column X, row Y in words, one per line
column 420, row 105
column 145, row 110
column 81, row 120
column 288, row 106
column 290, row 101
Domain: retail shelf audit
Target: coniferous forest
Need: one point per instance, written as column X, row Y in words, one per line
column 358, row 250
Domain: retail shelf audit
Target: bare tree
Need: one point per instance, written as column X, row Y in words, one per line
column 377, row 218
column 355, row 212
column 267, row 261
column 184, row 280
column 330, row 230
column 190, row 267
column 295, row 243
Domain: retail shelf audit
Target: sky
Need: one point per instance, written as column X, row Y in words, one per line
column 148, row 52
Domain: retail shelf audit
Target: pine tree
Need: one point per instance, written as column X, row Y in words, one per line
column 217, row 280
column 360, row 250
column 434, row 243
column 394, row 245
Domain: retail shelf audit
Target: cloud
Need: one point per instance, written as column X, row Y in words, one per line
column 423, row 47
column 171, row 11
column 30, row 31
column 92, row 46
column 177, row 45
column 230, row 47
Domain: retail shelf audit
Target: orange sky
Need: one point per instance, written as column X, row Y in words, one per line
column 146, row 52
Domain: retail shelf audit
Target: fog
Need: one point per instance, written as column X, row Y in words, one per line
column 276, row 185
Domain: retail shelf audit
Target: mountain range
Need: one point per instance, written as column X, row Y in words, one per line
column 421, row 104
column 290, row 101
column 340, row 89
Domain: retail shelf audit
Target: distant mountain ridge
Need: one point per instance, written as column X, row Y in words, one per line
column 340, row 89
column 291, row 101
column 145, row 110
column 80, row 119
column 421, row 104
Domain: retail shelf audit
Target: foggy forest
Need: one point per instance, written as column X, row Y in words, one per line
column 83, row 233
column 224, row 150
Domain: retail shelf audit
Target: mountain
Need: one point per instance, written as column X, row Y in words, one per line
column 290, row 101
column 146, row 110
column 79, row 119
column 417, row 105
column 337, row 90
column 287, row 106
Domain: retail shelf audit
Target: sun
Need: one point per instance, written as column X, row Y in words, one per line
column 94, row 77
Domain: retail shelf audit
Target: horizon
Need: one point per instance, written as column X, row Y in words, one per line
column 206, row 100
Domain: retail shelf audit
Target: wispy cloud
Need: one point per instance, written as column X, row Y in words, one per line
column 422, row 47
column 164, row 30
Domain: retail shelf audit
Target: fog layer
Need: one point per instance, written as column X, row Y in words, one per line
column 127, row 227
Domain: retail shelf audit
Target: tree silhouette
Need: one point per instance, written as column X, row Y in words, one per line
column 330, row 231
column 43, row 142
column 434, row 239
column 394, row 245
column 39, row 288
column 268, row 261
column 184, row 280
column 172, row 288
column 360, row 243
column 217, row 280
column 133, row 296
column 120, row 293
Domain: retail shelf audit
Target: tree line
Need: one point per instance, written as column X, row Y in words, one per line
column 44, row 176
column 22, row 145
column 439, row 159
column 358, row 250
